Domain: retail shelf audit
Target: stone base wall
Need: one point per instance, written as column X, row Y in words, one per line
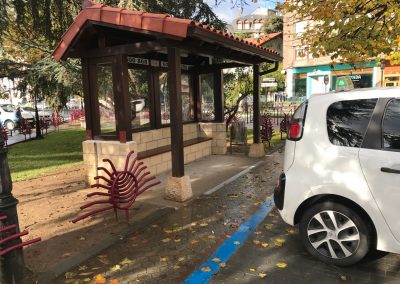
column 216, row 131
column 94, row 151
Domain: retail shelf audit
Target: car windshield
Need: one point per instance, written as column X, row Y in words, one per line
column 8, row 108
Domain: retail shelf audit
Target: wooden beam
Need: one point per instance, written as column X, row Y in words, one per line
column 197, row 97
column 219, row 96
column 174, row 86
column 256, row 104
column 93, row 100
column 132, row 48
column 211, row 68
column 87, row 99
column 122, row 99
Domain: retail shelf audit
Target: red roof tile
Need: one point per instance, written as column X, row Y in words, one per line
column 260, row 41
column 160, row 23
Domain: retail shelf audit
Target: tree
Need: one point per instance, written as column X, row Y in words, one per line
column 273, row 24
column 349, row 30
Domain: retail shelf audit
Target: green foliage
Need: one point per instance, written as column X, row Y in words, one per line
column 59, row 149
column 279, row 77
column 349, row 30
column 243, row 35
column 273, row 24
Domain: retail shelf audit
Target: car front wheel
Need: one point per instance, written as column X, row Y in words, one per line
column 335, row 233
column 10, row 125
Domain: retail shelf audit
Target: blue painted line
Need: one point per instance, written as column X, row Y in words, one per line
column 228, row 248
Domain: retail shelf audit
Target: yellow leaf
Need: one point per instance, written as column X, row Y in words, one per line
column 265, row 245
column 206, row 269
column 257, row 232
column 279, row 242
column 176, row 267
column 114, row 281
column 252, row 269
column 269, row 226
column 163, row 259
column 193, row 242
column 343, row 277
column 177, row 240
column 268, row 198
column 262, row 275
column 211, row 237
column 281, row 265
column 83, row 267
column 87, row 280
column 290, row 231
column 216, row 259
column 166, row 240
column 203, row 225
column 256, row 242
column 126, row 261
column 115, row 268
column 181, row 259
column 99, row 279
column 154, row 226
column 236, row 243
column 82, row 238
column 193, row 224
column 222, row 264
column 69, row 275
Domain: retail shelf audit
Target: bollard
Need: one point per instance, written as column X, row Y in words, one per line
column 12, row 263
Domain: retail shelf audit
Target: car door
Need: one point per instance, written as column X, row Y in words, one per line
column 380, row 160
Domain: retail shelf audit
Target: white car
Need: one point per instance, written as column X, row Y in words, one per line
column 341, row 177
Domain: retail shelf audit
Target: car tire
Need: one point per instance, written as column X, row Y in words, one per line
column 335, row 234
column 9, row 124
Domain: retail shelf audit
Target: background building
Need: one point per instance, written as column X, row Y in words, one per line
column 253, row 23
column 306, row 75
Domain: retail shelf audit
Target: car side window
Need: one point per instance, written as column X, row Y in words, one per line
column 347, row 121
column 391, row 126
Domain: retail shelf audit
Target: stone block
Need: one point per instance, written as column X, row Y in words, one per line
column 151, row 145
column 166, row 132
column 219, row 135
column 219, row 150
column 157, row 134
column 221, row 127
column 166, row 157
column 146, row 136
column 163, row 167
column 221, row 143
column 109, row 149
column 88, row 147
column 257, row 150
column 142, row 147
column 163, row 142
column 137, row 137
column 178, row 189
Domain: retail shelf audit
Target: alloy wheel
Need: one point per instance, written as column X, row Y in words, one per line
column 333, row 234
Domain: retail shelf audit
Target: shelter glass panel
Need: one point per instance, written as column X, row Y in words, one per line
column 139, row 97
column 105, row 95
column 187, row 98
column 207, row 97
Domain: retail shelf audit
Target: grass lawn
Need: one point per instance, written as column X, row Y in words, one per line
column 57, row 150
column 276, row 137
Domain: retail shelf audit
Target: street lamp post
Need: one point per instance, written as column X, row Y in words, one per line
column 12, row 263
column 383, row 64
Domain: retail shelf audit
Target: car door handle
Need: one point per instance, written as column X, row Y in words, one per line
column 391, row 171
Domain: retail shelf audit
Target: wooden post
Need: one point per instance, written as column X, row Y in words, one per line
column 256, row 104
column 122, row 99
column 91, row 101
column 174, row 87
column 219, row 96
column 87, row 98
column 197, row 97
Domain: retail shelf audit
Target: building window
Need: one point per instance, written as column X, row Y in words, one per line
column 105, row 98
column 139, row 97
column 239, row 25
column 301, row 53
column 246, row 25
column 207, row 97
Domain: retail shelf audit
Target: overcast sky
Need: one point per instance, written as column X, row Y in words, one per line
column 226, row 12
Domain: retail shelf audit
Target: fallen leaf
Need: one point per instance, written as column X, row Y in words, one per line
column 265, row 245
column 163, row 259
column 83, row 267
column 154, row 226
column 281, row 265
column 177, row 240
column 176, row 267
column 85, row 273
column 126, row 261
column 181, row 259
column 290, row 231
column 279, row 242
column 206, row 269
column 87, row 280
column 257, row 232
column 103, row 259
column 69, row 275
column 262, row 275
column 203, row 225
column 82, row 238
column 99, row 279
column 256, row 242
column 343, row 277
column 216, row 259
column 267, row 198
column 269, row 226
column 193, row 242
column 193, row 224
column 114, row 281
column 166, row 240
column 252, row 269
column 168, row 231
column 236, row 243
column 222, row 264
column 271, row 215
column 211, row 237
column 115, row 268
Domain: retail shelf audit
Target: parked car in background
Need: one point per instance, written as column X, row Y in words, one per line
column 43, row 113
column 341, row 177
column 8, row 116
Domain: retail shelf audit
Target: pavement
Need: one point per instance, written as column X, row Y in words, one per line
column 179, row 244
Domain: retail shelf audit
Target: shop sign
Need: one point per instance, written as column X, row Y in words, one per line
column 139, row 61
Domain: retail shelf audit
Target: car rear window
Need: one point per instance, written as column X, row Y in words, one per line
column 347, row 121
column 391, row 126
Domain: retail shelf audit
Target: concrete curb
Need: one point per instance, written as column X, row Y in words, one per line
column 68, row 264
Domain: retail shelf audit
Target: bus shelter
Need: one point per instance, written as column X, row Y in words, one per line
column 154, row 84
